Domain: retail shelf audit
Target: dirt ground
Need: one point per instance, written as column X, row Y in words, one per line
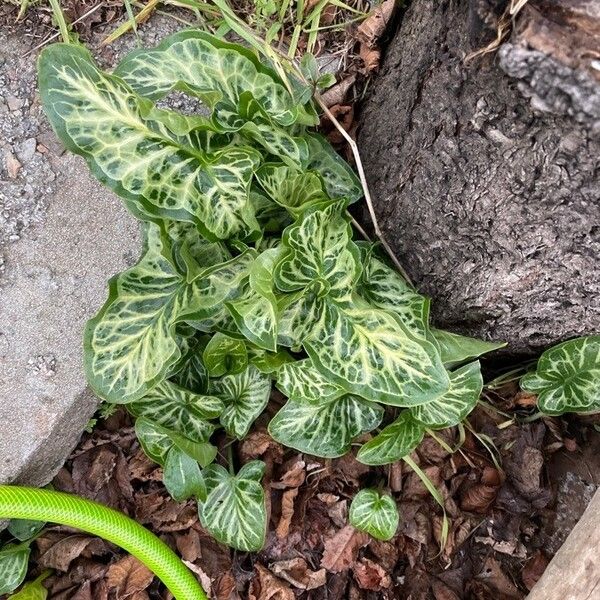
column 512, row 492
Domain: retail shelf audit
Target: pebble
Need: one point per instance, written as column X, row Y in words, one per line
column 27, row 149
column 14, row 103
column 13, row 166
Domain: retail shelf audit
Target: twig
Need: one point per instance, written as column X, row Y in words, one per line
column 54, row 36
column 363, row 181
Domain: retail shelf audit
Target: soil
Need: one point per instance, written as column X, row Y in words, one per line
column 512, row 492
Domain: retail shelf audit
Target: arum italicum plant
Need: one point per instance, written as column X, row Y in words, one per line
column 249, row 276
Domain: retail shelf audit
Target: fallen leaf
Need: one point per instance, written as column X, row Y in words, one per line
column 128, row 577
column 534, row 569
column 205, row 580
column 442, row 592
column 61, row 552
column 294, row 475
column 265, row 586
column 13, row 166
column 257, row 444
column 371, row 576
column 287, row 512
column 478, row 498
column 336, row 94
column 341, row 550
column 297, row 572
column 495, row 578
column 225, row 588
column 373, row 27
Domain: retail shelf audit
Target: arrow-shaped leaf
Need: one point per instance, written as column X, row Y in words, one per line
column 375, row 513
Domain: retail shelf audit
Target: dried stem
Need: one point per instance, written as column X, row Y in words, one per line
column 363, row 181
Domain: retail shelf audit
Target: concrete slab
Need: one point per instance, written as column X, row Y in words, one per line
column 62, row 236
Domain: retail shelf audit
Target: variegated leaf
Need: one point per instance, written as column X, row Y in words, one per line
column 33, row 590
column 218, row 72
column 269, row 362
column 374, row 513
column 156, row 442
column 224, row 355
column 385, row 288
column 177, row 409
column 192, row 374
column 456, row 349
column 395, row 441
column 295, row 190
column 339, row 179
column 298, row 314
column 131, row 344
column 453, row 407
column 245, row 396
column 234, row 510
column 182, row 476
column 567, row 377
column 255, row 311
column 325, row 428
column 292, row 150
column 97, row 116
column 300, row 380
column 13, row 566
column 367, row 352
column 319, row 251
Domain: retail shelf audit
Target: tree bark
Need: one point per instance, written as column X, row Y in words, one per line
column 484, row 172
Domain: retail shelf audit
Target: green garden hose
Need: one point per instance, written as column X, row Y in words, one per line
column 91, row 517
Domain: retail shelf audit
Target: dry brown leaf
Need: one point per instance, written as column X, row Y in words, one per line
column 478, row 498
column 297, row 572
column 336, row 94
column 342, row 549
column 534, row 569
column 128, row 577
column 293, row 476
column 495, row 578
column 225, row 588
column 189, row 545
column 205, row 580
column 13, row 166
column 373, row 27
column 59, row 553
column 265, row 586
column 386, row 553
column 414, row 487
column 287, row 512
column 442, row 592
column 371, row 576
column 257, row 444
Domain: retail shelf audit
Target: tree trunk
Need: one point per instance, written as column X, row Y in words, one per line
column 484, row 172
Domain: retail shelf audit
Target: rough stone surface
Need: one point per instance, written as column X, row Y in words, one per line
column 62, row 235
column 484, row 174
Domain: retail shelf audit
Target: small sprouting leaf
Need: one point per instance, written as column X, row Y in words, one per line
column 222, row 74
column 567, row 378
column 13, row 566
column 234, row 510
column 156, row 441
column 180, row 410
column 385, row 288
column 339, row 179
column 325, row 428
column 269, row 362
column 319, row 251
column 456, row 349
column 292, row 189
column 375, row 513
column 224, row 355
column 453, row 407
column 245, row 396
column 395, row 441
column 157, row 172
column 182, row 476
column 300, row 380
column 131, row 343
column 367, row 352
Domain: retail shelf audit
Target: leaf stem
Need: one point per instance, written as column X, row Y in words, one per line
column 230, row 458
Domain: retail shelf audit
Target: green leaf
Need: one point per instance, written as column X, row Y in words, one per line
column 34, row 590
column 453, row 407
column 13, row 566
column 269, row 362
column 367, row 352
column 156, row 442
column 182, row 476
column 294, row 190
column 375, row 513
column 158, row 173
column 245, row 396
column 180, row 410
column 224, row 354
column 192, row 374
column 325, row 428
column 131, row 344
column 300, row 380
column 292, row 150
column 234, row 510
column 25, row 529
column 255, row 311
column 567, row 378
column 394, row 442
column 456, row 349
column 339, row 179
column 222, row 73
column 385, row 288
column 319, row 252
column 298, row 314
